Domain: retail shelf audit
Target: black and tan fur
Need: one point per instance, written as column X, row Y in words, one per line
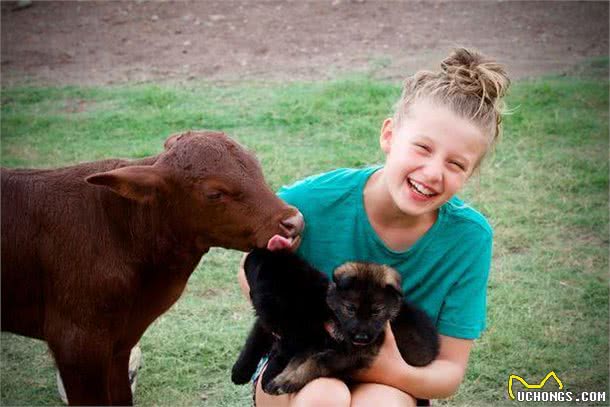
column 364, row 297
column 300, row 306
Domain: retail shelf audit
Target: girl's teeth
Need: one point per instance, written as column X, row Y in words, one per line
column 421, row 189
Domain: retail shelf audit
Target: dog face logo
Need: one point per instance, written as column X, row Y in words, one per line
column 364, row 297
column 525, row 384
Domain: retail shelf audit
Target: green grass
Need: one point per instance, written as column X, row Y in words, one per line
column 545, row 192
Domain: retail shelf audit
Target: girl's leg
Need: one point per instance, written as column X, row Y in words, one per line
column 373, row 394
column 319, row 392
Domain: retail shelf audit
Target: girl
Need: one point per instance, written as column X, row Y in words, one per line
column 405, row 215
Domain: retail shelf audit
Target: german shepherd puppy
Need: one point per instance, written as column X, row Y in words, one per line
column 363, row 298
column 312, row 328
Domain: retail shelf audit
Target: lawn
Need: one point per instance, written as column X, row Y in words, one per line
column 545, row 191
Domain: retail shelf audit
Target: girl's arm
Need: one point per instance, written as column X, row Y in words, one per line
column 440, row 379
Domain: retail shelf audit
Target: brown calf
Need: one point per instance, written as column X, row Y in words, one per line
column 93, row 253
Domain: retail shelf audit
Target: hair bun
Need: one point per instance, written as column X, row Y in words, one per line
column 476, row 75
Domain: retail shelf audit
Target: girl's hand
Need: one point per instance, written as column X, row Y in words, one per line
column 387, row 360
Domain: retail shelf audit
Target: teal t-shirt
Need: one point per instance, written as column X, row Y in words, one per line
column 445, row 272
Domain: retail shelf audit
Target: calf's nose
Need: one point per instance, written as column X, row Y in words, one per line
column 293, row 225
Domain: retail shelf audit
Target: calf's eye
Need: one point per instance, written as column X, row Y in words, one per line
column 214, row 196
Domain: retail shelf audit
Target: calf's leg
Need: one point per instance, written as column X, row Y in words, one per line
column 120, row 387
column 84, row 363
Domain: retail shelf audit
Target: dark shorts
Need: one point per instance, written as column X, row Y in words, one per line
column 263, row 363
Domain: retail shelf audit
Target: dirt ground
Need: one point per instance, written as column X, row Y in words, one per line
column 115, row 42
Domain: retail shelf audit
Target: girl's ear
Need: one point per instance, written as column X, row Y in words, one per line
column 385, row 139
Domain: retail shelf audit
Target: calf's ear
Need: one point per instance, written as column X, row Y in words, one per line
column 171, row 140
column 138, row 183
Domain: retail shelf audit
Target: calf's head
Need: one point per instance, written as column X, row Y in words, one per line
column 209, row 188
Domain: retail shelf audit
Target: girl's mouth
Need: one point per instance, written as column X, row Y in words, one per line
column 420, row 189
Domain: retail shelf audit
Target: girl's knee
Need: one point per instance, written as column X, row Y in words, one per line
column 323, row 392
column 368, row 394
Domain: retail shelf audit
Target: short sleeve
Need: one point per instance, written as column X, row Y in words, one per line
column 299, row 193
column 463, row 311
column 291, row 193
column 296, row 194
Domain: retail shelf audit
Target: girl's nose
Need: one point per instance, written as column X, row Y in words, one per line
column 433, row 172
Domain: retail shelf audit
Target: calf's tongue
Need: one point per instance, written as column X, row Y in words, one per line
column 278, row 242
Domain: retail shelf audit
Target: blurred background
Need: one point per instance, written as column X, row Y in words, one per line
column 95, row 42
column 306, row 86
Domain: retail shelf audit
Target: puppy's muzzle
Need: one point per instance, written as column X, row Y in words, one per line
column 362, row 339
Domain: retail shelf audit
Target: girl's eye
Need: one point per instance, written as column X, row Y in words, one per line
column 458, row 165
column 423, row 147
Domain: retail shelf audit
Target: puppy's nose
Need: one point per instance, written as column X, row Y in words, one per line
column 293, row 225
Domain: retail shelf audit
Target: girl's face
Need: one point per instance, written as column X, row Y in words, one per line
column 430, row 157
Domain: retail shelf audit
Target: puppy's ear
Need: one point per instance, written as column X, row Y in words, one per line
column 251, row 261
column 393, row 290
column 345, row 275
column 252, row 264
column 392, row 281
column 344, row 282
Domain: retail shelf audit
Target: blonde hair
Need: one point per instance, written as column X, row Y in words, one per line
column 468, row 83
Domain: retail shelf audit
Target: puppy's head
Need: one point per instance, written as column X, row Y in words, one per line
column 253, row 264
column 285, row 290
column 364, row 297
column 264, row 267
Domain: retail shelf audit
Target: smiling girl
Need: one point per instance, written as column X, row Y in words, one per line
column 405, row 214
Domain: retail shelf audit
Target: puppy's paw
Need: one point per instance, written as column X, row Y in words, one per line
column 273, row 388
column 239, row 376
column 277, row 387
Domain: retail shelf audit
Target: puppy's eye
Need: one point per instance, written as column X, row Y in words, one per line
column 377, row 310
column 351, row 308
